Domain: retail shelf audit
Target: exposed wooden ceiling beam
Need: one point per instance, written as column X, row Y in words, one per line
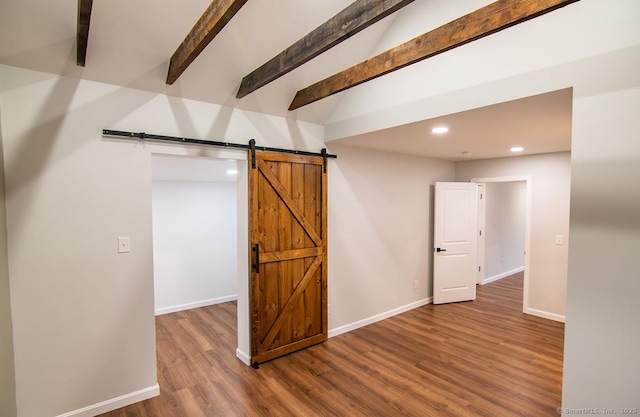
column 217, row 15
column 356, row 17
column 82, row 36
column 485, row 21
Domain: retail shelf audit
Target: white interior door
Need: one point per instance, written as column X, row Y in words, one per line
column 455, row 242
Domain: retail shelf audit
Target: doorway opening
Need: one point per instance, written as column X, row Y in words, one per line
column 200, row 237
column 194, row 232
column 505, row 226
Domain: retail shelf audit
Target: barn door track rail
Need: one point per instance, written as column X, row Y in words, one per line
column 251, row 146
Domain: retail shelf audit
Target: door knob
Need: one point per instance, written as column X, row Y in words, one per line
column 440, row 250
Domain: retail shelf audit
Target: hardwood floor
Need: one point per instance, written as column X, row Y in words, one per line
column 479, row 358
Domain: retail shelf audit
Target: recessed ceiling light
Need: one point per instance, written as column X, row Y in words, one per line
column 517, row 149
column 465, row 153
column 440, row 129
column 232, row 172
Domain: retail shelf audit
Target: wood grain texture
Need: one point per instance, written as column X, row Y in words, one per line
column 287, row 222
column 289, row 302
column 287, row 309
column 357, row 16
column 289, row 254
column 313, row 211
column 286, row 199
column 483, row 22
column 216, row 17
column 82, row 33
column 298, row 242
column 477, row 358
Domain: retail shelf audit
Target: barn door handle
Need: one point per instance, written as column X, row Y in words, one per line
column 440, row 250
column 252, row 149
column 256, row 266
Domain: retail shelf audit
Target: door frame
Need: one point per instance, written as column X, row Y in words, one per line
column 480, row 243
column 243, row 351
column 527, row 233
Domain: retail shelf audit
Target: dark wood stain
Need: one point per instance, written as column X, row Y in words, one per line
column 212, row 21
column 356, row 17
column 485, row 21
column 82, row 34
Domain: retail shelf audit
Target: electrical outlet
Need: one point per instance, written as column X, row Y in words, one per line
column 559, row 239
column 124, row 245
column 415, row 284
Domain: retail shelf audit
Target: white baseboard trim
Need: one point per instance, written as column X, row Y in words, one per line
column 197, row 304
column 370, row 320
column 502, row 275
column 243, row 357
column 545, row 314
column 115, row 403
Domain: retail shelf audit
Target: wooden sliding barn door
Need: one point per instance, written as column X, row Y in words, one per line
column 288, row 227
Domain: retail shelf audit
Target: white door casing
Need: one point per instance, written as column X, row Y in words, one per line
column 482, row 193
column 455, row 242
column 527, row 261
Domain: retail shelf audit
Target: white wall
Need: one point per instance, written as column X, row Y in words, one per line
column 83, row 314
column 505, row 217
column 600, row 58
column 380, row 233
column 602, row 336
column 531, row 58
column 81, row 303
column 194, row 244
column 71, row 193
column 7, row 374
column 549, row 187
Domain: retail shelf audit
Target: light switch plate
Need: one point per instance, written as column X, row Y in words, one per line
column 124, row 245
column 559, row 239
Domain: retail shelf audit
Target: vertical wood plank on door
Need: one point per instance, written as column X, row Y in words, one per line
column 255, row 231
column 324, row 228
column 312, row 213
column 284, row 233
column 272, row 305
column 299, row 238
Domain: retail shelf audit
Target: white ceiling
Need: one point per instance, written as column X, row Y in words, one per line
column 131, row 42
column 539, row 124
